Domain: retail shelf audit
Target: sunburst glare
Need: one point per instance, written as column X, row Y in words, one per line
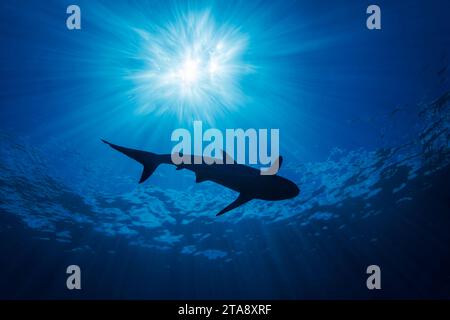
column 192, row 68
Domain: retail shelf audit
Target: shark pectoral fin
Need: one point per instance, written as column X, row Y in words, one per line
column 243, row 198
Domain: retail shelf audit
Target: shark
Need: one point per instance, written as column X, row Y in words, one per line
column 247, row 181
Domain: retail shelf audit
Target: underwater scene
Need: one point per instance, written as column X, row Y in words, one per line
column 363, row 117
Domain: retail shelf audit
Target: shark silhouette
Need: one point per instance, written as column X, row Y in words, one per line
column 246, row 180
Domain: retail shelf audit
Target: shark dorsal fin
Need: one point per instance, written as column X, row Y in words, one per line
column 280, row 162
column 273, row 170
column 227, row 159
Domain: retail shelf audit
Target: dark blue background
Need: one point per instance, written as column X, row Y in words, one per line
column 360, row 131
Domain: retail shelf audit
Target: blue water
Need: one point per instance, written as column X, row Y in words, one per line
column 364, row 131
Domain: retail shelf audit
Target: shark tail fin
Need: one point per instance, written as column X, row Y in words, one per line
column 149, row 160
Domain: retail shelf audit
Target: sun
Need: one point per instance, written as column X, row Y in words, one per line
column 192, row 68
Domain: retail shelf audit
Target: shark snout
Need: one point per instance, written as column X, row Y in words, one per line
column 293, row 190
column 285, row 189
